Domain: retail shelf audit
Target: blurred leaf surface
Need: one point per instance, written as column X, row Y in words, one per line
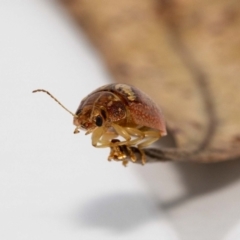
column 185, row 55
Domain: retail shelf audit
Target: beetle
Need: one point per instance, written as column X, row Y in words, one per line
column 116, row 111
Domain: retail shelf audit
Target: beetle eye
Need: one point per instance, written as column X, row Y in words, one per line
column 99, row 121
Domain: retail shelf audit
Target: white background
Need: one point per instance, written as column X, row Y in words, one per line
column 54, row 184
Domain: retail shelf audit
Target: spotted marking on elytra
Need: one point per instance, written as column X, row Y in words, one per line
column 127, row 90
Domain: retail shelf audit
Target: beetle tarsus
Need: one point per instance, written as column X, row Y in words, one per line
column 125, row 153
column 143, row 156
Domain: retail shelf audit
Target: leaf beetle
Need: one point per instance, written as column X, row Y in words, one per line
column 118, row 111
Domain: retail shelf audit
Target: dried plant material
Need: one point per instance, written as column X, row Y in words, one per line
column 186, row 56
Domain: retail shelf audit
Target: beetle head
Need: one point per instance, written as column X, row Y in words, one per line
column 89, row 118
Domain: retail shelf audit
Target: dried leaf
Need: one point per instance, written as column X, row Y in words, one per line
column 186, row 56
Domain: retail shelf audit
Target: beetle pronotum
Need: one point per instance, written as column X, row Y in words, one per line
column 119, row 110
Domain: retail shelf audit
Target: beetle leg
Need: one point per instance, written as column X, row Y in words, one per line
column 132, row 132
column 136, row 133
column 128, row 152
column 117, row 152
column 104, row 140
column 146, row 138
column 150, row 137
column 131, row 154
column 143, row 156
column 121, row 131
column 107, row 137
column 96, row 135
column 121, row 153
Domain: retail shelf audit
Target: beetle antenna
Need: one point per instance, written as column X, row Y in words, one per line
column 48, row 93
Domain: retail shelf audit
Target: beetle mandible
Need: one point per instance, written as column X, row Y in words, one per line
column 119, row 110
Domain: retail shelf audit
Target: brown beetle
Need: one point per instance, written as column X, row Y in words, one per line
column 119, row 110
